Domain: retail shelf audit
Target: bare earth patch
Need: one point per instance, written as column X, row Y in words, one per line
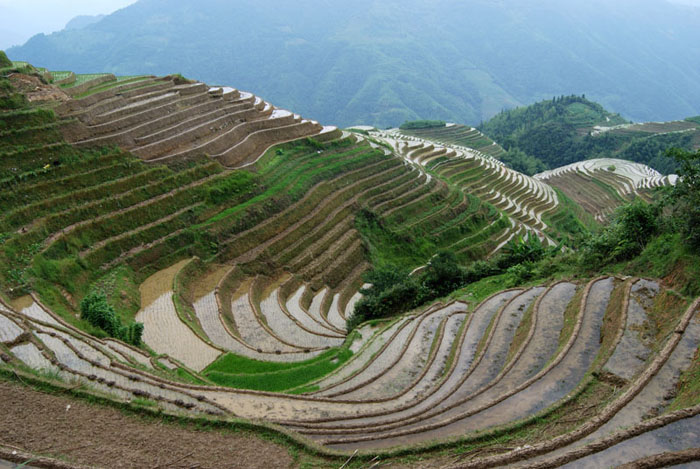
column 93, row 435
column 35, row 90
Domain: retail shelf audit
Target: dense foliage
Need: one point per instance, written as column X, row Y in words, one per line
column 630, row 230
column 521, row 161
column 672, row 219
column 394, row 291
column 382, row 62
column 4, row 61
column 556, row 132
column 97, row 311
column 574, row 111
column 685, row 196
column 422, row 124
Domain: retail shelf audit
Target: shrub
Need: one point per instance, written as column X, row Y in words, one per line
column 685, row 197
column 521, row 250
column 95, row 309
column 238, row 183
column 4, row 61
column 521, row 273
column 443, row 274
column 632, row 227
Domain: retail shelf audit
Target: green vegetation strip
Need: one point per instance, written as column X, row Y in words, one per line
column 245, row 373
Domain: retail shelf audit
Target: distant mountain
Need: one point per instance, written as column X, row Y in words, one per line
column 568, row 129
column 80, row 22
column 382, row 62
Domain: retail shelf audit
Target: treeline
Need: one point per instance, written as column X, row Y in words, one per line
column 422, row 124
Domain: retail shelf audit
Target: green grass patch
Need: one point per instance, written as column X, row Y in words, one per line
column 188, row 377
column 245, row 373
column 688, row 394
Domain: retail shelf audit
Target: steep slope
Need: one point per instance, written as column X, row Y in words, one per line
column 243, row 264
column 384, row 62
column 601, row 185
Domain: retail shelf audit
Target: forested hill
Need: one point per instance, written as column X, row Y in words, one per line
column 567, row 129
column 575, row 112
column 382, row 62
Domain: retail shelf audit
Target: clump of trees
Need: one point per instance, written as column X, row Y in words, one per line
column 684, row 198
column 422, row 124
column 97, row 311
column 625, row 237
column 394, row 291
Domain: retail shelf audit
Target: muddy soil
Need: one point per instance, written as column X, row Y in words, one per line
column 87, row 434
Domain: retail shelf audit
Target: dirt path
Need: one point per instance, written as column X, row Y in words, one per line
column 86, row 434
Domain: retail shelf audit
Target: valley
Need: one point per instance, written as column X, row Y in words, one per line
column 191, row 253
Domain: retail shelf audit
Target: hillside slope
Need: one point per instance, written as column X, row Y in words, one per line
column 569, row 129
column 384, row 62
column 196, row 255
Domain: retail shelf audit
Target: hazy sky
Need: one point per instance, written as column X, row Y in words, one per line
column 22, row 19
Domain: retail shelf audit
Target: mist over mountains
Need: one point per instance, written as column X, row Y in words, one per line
column 383, row 62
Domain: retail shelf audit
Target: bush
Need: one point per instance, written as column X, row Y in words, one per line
column 226, row 190
column 521, row 250
column 685, row 197
column 443, row 274
column 4, row 60
column 97, row 311
column 632, row 227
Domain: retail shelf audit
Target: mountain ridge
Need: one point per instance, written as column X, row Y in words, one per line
column 383, row 63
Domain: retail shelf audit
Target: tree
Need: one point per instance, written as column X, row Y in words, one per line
column 443, row 274
column 97, row 311
column 685, row 196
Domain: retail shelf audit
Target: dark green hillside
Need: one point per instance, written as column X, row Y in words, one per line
column 562, row 130
column 382, row 62
column 570, row 112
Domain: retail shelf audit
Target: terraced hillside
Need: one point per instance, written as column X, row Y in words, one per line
column 601, row 185
column 277, row 241
column 459, row 135
column 689, row 126
column 528, row 206
column 238, row 235
column 564, row 367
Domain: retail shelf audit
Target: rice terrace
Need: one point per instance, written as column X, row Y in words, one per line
column 193, row 277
